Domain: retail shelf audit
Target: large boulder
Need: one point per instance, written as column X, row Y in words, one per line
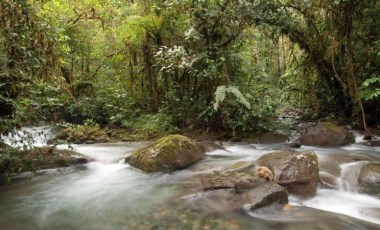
column 298, row 172
column 327, row 134
column 167, row 154
column 369, row 179
column 234, row 191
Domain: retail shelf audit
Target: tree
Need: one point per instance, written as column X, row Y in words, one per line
column 337, row 36
column 27, row 54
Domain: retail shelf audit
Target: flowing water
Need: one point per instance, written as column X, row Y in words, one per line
column 107, row 194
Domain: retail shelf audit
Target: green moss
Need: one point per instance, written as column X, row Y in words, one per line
column 41, row 158
column 94, row 134
column 166, row 154
column 82, row 134
column 349, row 135
column 331, row 126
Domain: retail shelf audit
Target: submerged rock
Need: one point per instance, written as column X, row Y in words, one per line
column 327, row 134
column 369, row 179
column 298, row 172
column 167, row 154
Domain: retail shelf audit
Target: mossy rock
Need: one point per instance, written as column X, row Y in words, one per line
column 42, row 158
column 81, row 135
column 167, row 154
column 327, row 134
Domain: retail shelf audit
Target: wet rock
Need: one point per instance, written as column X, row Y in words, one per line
column 212, row 146
column 80, row 135
column 327, row 134
column 241, row 166
column 234, row 189
column 271, row 138
column 369, row 179
column 330, row 163
column 294, row 144
column 298, row 172
column 44, row 158
column 236, row 192
column 215, row 181
column 375, row 143
column 264, row 195
column 327, row 180
column 245, row 186
column 167, row 154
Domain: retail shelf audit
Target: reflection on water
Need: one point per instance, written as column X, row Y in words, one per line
column 105, row 194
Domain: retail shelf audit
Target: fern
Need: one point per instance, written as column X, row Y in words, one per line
column 369, row 89
column 220, row 95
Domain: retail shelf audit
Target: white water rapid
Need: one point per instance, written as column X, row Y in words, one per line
column 108, row 194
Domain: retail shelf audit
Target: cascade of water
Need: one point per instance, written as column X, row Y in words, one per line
column 348, row 180
column 98, row 192
column 29, row 136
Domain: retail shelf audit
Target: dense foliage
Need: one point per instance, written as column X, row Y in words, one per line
column 221, row 64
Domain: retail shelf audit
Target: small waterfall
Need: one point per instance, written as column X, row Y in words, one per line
column 29, row 136
column 348, row 180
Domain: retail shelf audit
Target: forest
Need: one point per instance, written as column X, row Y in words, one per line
column 222, row 65
column 214, row 70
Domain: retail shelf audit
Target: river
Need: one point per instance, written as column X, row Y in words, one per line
column 108, row 194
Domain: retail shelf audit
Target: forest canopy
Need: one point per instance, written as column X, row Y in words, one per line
column 222, row 64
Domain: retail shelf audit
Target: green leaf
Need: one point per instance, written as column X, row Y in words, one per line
column 220, row 95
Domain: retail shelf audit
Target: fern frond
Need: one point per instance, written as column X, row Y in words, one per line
column 235, row 91
column 220, row 95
